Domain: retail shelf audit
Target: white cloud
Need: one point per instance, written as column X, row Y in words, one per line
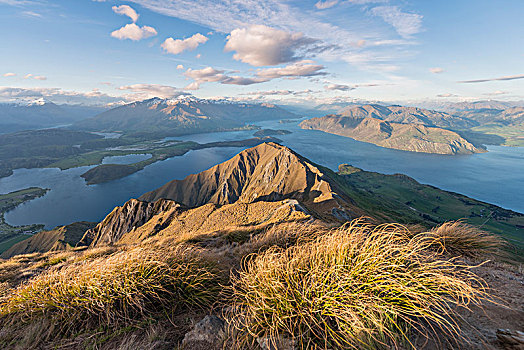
column 338, row 38
column 9, row 74
column 406, row 24
column 339, row 87
column 446, row 95
column 436, row 70
column 145, row 91
column 260, row 45
column 32, row 76
column 496, row 93
column 133, row 32
column 180, row 66
column 178, row 46
column 198, row 56
column 56, row 95
column 126, row 11
column 304, row 68
column 32, row 14
column 322, row 5
column 509, row 77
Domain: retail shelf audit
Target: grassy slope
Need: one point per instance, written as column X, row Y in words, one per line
column 403, row 199
column 512, row 135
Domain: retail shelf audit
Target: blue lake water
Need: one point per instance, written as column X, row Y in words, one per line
column 496, row 177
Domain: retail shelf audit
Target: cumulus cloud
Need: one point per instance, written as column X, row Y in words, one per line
column 212, row 75
column 145, row 91
column 406, row 24
column 180, row 66
column 9, row 74
column 176, row 46
column 260, row 45
column 126, row 11
column 304, row 68
column 509, row 77
column 436, row 70
column 133, row 32
column 322, row 5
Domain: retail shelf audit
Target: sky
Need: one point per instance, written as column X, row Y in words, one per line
column 290, row 51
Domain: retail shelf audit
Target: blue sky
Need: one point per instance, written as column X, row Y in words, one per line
column 310, row 52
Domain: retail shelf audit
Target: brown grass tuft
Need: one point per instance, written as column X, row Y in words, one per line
column 360, row 286
column 460, row 238
column 115, row 290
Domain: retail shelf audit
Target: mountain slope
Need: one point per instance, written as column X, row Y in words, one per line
column 268, row 172
column 183, row 115
column 59, row 238
column 413, row 137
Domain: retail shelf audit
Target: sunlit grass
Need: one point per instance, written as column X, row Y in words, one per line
column 360, row 286
column 114, row 290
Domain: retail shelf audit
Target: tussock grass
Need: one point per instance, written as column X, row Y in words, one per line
column 115, row 290
column 360, row 286
column 460, row 238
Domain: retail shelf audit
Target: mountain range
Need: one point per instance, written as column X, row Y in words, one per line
column 404, row 128
column 41, row 114
column 183, row 115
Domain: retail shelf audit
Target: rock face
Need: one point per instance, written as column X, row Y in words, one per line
column 60, row 238
column 408, row 137
column 262, row 185
column 121, row 220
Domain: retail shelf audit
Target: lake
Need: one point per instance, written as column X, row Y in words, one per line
column 496, row 177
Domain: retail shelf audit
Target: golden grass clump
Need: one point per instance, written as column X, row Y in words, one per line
column 359, row 286
column 115, row 290
column 460, row 238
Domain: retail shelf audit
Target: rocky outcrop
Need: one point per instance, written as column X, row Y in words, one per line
column 121, row 220
column 207, row 334
column 412, row 137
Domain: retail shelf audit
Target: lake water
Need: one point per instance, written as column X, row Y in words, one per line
column 496, row 177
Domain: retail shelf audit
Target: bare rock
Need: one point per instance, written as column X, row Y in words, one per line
column 209, row 333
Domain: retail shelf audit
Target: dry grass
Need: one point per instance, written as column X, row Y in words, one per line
column 113, row 291
column 460, row 238
column 360, row 286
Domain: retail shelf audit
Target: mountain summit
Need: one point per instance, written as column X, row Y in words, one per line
column 261, row 185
